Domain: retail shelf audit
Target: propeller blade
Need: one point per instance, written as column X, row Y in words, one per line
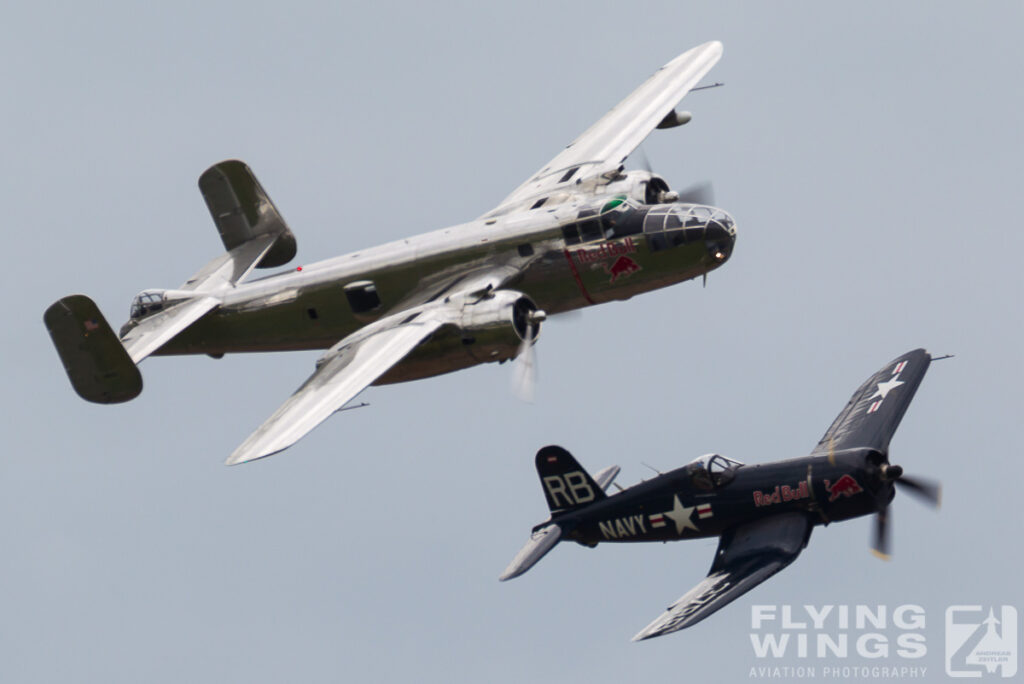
column 925, row 490
column 567, row 316
column 880, row 543
column 524, row 374
column 644, row 161
column 698, row 193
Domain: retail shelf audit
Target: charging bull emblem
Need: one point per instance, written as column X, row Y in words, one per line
column 844, row 486
column 621, row 268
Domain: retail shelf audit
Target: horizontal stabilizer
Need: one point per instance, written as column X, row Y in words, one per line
column 96, row 362
column 605, row 477
column 242, row 211
column 154, row 331
column 541, row 541
column 230, row 268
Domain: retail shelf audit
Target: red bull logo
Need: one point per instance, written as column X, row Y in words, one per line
column 844, row 486
column 621, row 268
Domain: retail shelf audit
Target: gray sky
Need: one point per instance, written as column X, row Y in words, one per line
column 870, row 154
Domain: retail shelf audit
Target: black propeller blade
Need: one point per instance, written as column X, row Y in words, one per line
column 646, row 162
column 924, row 490
column 698, row 193
column 880, row 545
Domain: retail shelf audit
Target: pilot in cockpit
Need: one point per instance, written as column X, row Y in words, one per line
column 711, row 471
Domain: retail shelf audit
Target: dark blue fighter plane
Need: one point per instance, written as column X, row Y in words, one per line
column 763, row 514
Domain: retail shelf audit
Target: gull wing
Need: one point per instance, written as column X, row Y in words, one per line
column 350, row 367
column 747, row 555
column 606, row 144
column 875, row 410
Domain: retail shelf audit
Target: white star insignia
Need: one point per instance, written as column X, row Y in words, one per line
column 681, row 514
column 885, row 387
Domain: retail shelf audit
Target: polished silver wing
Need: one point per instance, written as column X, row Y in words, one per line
column 157, row 329
column 603, row 147
column 746, row 556
column 354, row 363
column 346, row 370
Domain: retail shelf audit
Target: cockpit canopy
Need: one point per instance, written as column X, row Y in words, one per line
column 615, row 218
column 711, row 471
column 147, row 302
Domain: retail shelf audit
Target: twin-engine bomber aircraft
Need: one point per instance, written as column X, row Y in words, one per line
column 763, row 513
column 581, row 231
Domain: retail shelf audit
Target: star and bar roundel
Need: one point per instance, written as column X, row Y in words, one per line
column 681, row 516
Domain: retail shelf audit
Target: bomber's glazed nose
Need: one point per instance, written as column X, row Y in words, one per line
column 720, row 235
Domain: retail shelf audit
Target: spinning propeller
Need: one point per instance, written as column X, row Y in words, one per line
column 928, row 491
column 524, row 372
column 697, row 193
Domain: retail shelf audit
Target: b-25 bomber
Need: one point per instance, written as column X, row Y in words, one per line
column 581, row 231
column 763, row 514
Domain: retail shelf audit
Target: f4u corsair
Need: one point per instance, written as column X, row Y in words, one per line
column 581, row 231
column 763, row 514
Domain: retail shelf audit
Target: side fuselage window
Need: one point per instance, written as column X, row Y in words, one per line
column 570, row 234
column 590, row 230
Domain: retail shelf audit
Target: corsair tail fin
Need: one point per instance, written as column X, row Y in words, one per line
column 567, row 486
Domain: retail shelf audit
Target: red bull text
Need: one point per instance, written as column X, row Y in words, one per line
column 782, row 493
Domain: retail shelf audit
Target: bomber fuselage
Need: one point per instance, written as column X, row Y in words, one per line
column 571, row 255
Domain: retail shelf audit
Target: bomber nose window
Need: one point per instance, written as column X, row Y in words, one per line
column 673, row 225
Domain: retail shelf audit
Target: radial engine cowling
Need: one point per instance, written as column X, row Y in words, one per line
column 503, row 319
column 490, row 329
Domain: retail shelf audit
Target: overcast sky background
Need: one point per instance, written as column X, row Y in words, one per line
column 871, row 155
